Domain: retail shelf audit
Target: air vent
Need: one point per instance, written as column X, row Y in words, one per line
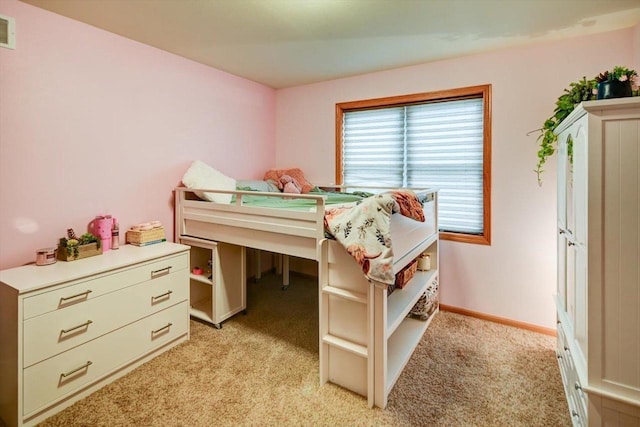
column 7, row 32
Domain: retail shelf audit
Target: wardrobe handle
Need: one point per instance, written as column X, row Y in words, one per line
column 578, row 387
column 66, row 331
column 571, row 244
column 66, row 374
column 561, row 231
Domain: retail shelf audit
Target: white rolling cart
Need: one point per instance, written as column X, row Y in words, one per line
column 219, row 291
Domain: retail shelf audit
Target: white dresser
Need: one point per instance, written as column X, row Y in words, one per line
column 598, row 296
column 69, row 328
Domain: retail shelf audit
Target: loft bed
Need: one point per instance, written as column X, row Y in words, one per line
column 278, row 223
column 367, row 333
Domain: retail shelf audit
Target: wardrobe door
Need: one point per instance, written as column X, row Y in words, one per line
column 580, row 184
column 571, row 281
column 566, row 258
column 579, row 317
column 562, row 270
column 620, row 245
column 562, row 178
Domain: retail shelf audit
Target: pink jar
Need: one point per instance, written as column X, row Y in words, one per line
column 102, row 226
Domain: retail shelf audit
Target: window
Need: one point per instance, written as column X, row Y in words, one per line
column 437, row 139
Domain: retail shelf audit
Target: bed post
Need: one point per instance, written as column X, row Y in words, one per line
column 323, row 308
column 177, row 226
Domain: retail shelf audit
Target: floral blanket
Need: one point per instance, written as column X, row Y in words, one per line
column 363, row 228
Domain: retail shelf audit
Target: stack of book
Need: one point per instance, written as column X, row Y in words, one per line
column 146, row 237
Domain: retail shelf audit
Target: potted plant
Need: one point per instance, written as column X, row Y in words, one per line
column 72, row 247
column 577, row 92
column 615, row 83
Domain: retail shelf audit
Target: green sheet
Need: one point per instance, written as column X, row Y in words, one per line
column 302, row 204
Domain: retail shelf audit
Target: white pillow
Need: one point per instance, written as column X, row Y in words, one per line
column 201, row 175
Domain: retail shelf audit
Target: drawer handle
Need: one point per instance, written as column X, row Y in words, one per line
column 167, row 326
column 161, row 272
column 85, row 366
column 82, row 294
column 166, row 294
column 66, row 331
column 571, row 244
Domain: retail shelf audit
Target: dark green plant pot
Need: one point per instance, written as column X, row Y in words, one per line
column 614, row 89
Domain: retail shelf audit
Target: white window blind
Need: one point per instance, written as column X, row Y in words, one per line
column 373, row 147
column 437, row 144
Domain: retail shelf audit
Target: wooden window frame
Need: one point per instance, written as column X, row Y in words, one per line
column 480, row 91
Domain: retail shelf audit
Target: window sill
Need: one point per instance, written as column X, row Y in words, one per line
column 466, row 238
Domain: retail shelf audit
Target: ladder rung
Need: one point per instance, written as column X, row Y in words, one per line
column 343, row 293
column 349, row 346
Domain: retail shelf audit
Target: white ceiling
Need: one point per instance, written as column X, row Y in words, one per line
column 284, row 43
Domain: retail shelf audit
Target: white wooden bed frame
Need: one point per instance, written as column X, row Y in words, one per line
column 366, row 338
column 289, row 232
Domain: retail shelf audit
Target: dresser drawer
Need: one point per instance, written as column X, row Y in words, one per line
column 60, row 330
column 576, row 398
column 86, row 290
column 577, row 418
column 560, row 353
column 581, row 400
column 68, row 372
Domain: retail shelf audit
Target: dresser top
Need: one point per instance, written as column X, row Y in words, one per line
column 32, row 277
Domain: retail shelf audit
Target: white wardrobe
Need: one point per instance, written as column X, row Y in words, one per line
column 598, row 299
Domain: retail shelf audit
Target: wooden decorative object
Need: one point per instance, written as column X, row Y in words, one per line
column 403, row 276
column 147, row 236
column 84, row 251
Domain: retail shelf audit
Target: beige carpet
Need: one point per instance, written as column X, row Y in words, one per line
column 261, row 369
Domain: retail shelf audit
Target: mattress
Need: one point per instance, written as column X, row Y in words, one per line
column 307, row 205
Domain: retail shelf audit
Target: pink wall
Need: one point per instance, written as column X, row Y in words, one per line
column 91, row 122
column 636, row 51
column 515, row 277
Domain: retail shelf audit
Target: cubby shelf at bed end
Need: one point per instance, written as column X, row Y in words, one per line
column 402, row 261
column 402, row 300
column 401, row 346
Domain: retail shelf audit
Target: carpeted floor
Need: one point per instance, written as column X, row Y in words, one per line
column 261, row 369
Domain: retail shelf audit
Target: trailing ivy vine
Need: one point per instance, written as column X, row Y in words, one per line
column 582, row 90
